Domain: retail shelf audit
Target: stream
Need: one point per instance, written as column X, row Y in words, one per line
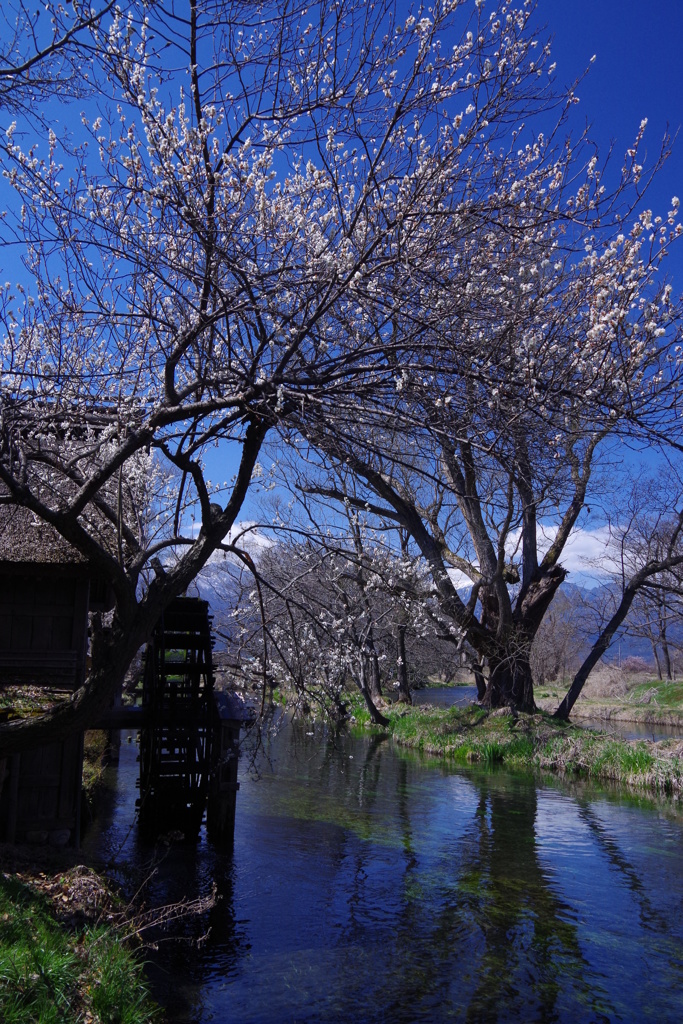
column 369, row 885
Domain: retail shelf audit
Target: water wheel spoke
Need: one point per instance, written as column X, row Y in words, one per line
column 175, row 756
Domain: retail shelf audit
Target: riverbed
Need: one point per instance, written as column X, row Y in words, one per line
column 366, row 884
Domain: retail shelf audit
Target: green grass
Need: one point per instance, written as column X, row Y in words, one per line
column 94, row 751
column 531, row 743
column 24, row 701
column 623, row 759
column 492, row 752
column 667, row 695
column 53, row 974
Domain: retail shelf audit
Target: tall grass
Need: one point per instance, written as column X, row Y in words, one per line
column 532, row 742
column 53, row 974
column 663, row 693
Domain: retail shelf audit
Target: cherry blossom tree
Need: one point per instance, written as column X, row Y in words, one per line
column 338, row 610
column 217, row 246
column 339, row 223
column 45, row 49
column 554, row 343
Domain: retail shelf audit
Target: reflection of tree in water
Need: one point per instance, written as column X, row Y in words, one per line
column 177, row 970
column 499, row 942
column 485, row 936
column 326, row 783
column 428, row 902
column 529, row 950
column 650, row 918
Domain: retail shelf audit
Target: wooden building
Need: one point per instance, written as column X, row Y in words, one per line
column 189, row 734
column 46, row 592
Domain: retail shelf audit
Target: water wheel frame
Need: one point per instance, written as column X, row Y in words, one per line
column 176, row 742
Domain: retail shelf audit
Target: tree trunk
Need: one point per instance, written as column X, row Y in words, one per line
column 375, row 679
column 402, row 667
column 376, row 716
column 601, row 645
column 657, row 662
column 481, row 683
column 605, row 639
column 112, row 652
column 508, row 650
column 510, row 685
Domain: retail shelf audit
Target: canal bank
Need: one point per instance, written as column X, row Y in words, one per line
column 532, row 742
column 670, row 718
column 69, row 953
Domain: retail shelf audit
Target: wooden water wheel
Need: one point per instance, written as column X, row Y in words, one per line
column 175, row 745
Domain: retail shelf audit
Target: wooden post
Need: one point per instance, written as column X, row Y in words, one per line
column 79, row 791
column 223, row 784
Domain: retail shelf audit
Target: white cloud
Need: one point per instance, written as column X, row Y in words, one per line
column 460, row 580
column 245, row 535
column 587, row 555
column 587, row 551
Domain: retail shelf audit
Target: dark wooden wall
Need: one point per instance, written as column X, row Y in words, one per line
column 43, row 643
column 41, row 615
column 40, row 795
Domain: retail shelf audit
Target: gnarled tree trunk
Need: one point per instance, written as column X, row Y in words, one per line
column 510, row 684
column 376, row 716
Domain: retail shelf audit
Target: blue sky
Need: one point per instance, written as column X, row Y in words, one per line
column 638, row 72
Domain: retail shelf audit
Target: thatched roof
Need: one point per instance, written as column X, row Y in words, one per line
column 26, row 539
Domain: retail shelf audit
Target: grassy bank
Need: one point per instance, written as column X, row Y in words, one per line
column 64, row 958
column 652, row 702
column 534, row 742
column 66, row 955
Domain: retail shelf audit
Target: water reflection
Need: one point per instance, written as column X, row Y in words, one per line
column 368, row 886
column 655, row 732
column 446, row 696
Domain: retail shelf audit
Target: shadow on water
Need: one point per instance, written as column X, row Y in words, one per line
column 366, row 885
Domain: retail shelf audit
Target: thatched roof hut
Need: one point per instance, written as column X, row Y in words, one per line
column 27, row 539
column 47, row 589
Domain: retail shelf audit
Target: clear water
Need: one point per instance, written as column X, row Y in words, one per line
column 631, row 730
column 366, row 885
column 445, row 696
